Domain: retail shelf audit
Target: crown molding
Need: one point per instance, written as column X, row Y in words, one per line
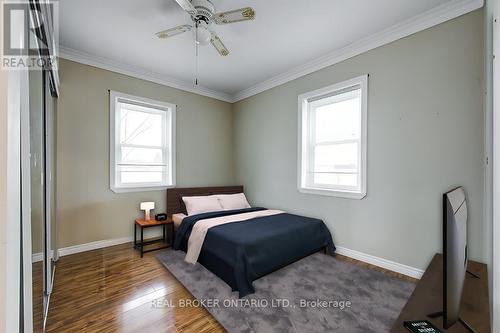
column 137, row 72
column 428, row 19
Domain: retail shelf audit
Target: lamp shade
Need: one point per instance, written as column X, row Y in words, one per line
column 147, row 205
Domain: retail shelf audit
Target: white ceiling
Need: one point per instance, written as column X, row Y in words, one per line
column 285, row 34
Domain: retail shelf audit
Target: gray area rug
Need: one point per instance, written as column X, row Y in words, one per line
column 316, row 294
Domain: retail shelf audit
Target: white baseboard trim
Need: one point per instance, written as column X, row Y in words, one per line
column 66, row 251
column 381, row 262
column 36, row 257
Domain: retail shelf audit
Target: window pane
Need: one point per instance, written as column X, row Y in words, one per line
column 132, row 155
column 338, row 120
column 331, row 146
column 341, row 158
column 134, row 177
column 139, row 127
column 141, row 174
column 336, row 179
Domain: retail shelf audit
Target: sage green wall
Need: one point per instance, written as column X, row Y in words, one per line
column 425, row 136
column 87, row 209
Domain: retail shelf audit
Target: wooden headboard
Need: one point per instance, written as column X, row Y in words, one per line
column 174, row 195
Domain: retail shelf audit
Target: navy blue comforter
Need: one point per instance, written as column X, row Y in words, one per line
column 241, row 252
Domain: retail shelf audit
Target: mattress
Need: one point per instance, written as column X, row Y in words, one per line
column 241, row 252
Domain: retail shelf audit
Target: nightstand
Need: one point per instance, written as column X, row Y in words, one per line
column 143, row 224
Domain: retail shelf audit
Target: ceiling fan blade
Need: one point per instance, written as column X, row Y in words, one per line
column 233, row 16
column 219, row 46
column 187, row 6
column 174, row 31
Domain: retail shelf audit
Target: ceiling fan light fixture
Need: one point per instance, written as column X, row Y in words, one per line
column 202, row 34
column 203, row 15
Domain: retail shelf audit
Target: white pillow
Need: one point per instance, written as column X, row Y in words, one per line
column 233, row 201
column 202, row 204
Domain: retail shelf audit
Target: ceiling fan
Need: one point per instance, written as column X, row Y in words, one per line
column 203, row 14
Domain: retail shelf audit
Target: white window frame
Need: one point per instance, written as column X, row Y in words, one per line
column 114, row 98
column 304, row 151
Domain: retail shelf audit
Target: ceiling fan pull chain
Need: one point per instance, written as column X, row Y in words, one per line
column 196, row 53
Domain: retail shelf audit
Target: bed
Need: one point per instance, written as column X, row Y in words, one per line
column 241, row 252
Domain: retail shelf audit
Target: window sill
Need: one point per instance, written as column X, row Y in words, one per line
column 333, row 193
column 140, row 189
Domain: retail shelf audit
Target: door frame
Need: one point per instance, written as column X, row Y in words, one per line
column 496, row 180
column 27, row 250
column 18, row 257
column 49, row 183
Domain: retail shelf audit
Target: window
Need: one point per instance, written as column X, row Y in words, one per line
column 142, row 143
column 332, row 140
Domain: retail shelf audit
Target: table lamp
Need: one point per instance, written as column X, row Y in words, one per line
column 147, row 207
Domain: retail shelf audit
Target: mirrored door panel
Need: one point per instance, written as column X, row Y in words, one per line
column 50, row 188
column 43, row 204
column 37, row 162
column 42, row 164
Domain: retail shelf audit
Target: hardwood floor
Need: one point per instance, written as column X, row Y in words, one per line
column 37, row 292
column 114, row 290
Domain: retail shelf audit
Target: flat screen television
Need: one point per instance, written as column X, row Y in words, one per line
column 454, row 253
column 454, row 256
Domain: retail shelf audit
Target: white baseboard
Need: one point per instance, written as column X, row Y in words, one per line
column 65, row 251
column 381, row 262
column 36, row 257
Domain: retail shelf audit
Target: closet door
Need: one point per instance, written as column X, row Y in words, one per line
column 37, row 166
column 43, row 89
column 43, row 205
column 50, row 178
